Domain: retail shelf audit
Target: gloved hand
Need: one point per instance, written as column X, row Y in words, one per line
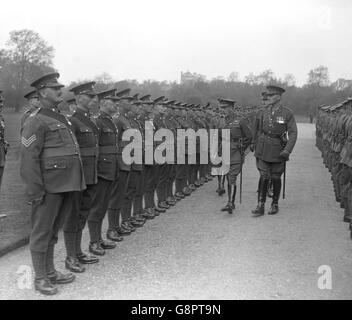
column 285, row 154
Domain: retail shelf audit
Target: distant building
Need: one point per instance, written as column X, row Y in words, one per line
column 189, row 77
column 341, row 84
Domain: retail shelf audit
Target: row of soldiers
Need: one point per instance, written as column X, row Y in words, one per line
column 334, row 140
column 75, row 174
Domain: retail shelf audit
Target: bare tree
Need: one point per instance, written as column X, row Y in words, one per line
column 29, row 56
column 319, row 77
column 289, row 80
column 234, row 77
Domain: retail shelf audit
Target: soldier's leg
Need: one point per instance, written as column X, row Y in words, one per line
column 348, row 207
column 162, row 185
column 71, row 228
column 136, row 220
column 170, row 185
column 69, row 206
column 116, row 202
column 277, row 169
column 265, row 173
column 1, row 175
column 231, row 187
column 85, row 205
column 99, row 207
column 126, row 209
column 138, row 199
column 150, row 173
column 43, row 217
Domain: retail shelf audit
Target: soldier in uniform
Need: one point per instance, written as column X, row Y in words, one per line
column 3, row 143
column 240, row 139
column 108, row 171
column 272, row 147
column 51, row 169
column 87, row 136
column 120, row 203
column 33, row 103
column 72, row 105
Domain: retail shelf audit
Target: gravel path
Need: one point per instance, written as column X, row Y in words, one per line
column 196, row 252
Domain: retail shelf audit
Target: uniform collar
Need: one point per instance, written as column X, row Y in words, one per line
column 105, row 115
column 82, row 112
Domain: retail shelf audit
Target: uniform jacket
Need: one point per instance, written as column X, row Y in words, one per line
column 108, row 147
column 3, row 143
column 87, row 135
column 269, row 132
column 50, row 156
column 122, row 124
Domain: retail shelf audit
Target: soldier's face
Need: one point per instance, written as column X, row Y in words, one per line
column 52, row 95
column 273, row 99
column 93, row 104
column 34, row 102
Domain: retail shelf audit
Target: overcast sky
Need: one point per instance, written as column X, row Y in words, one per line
column 157, row 39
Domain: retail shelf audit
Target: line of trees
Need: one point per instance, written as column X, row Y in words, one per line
column 27, row 56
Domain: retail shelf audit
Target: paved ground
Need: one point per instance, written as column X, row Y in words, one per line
column 196, row 252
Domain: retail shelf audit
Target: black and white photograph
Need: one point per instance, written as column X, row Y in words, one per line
column 191, row 151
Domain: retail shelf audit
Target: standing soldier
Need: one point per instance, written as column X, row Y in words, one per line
column 107, row 171
column 87, row 136
column 33, row 104
column 240, row 139
column 51, row 169
column 3, row 143
column 272, row 148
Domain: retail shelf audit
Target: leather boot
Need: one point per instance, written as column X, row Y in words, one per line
column 44, row 286
column 72, row 264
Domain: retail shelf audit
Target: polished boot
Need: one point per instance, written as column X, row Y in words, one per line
column 44, row 286
column 163, row 205
column 105, row 244
column 158, row 210
column 113, row 235
column 179, row 196
column 61, row 278
column 276, row 183
column 72, row 264
column 87, row 259
column 229, row 208
column 96, row 249
column 259, row 210
column 135, row 223
column 123, row 232
column 126, row 225
column 140, row 218
column 192, row 187
column 148, row 214
column 274, row 209
column 170, row 201
column 186, row 191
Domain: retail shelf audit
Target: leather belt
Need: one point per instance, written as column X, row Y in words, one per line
column 271, row 135
column 108, row 149
column 59, row 152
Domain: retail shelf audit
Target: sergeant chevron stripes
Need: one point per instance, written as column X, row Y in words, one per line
column 29, row 141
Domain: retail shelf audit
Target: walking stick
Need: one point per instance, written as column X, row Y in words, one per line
column 284, row 186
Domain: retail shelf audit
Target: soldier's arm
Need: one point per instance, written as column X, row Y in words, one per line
column 32, row 141
column 247, row 135
column 292, row 133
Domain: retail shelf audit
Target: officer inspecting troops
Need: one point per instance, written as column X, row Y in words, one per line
column 272, row 146
column 51, row 169
column 240, row 139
